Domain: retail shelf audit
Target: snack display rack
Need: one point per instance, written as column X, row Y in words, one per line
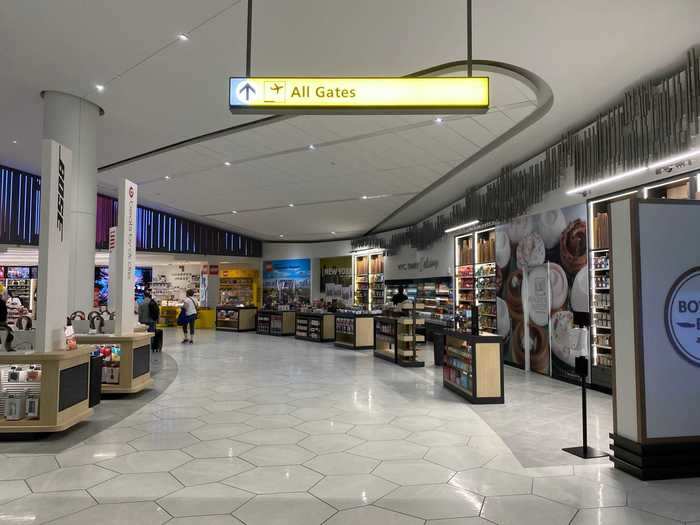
column 236, row 318
column 395, row 338
column 317, row 327
column 473, row 367
column 354, row 330
column 485, row 286
column 44, row 391
column 275, row 322
column 369, row 286
column 464, row 281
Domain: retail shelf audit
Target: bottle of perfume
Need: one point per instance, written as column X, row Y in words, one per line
column 32, row 405
column 14, row 407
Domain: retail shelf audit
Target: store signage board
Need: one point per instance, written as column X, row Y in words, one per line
column 683, row 315
column 123, row 280
column 359, row 95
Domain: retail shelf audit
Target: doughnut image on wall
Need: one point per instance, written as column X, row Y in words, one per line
column 542, row 262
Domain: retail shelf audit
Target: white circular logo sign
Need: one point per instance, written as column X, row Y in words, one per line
column 683, row 315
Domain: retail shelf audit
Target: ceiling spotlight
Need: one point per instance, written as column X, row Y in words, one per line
column 183, row 37
column 281, row 236
column 99, row 87
column 291, row 205
column 234, row 212
column 14, row 142
column 167, row 177
column 312, row 147
column 365, row 197
column 332, row 233
column 438, row 120
column 227, row 163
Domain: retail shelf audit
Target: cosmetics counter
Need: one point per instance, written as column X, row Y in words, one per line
column 354, row 330
column 317, row 327
column 236, row 318
column 276, row 322
column 126, row 366
column 473, row 367
column 44, row 391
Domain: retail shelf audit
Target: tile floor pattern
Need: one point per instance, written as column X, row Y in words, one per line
column 262, row 431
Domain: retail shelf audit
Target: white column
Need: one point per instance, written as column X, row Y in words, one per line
column 72, row 121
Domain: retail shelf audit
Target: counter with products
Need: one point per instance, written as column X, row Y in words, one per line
column 236, row 318
column 276, row 322
column 126, row 360
column 44, row 391
column 395, row 340
column 473, row 367
column 318, row 327
column 354, row 330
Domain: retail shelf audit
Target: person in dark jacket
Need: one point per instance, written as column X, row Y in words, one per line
column 399, row 297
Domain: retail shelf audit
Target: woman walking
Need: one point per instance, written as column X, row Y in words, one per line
column 188, row 316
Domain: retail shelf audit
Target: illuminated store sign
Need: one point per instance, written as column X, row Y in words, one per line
column 359, row 95
column 683, row 315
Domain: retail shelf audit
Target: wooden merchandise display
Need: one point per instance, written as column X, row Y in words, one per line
column 135, row 362
column 473, row 367
column 395, row 338
column 354, row 331
column 236, row 318
column 317, row 327
column 274, row 322
column 464, row 281
column 63, row 389
column 485, row 287
column 370, row 289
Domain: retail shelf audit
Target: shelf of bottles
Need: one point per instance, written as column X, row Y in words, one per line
column 370, row 289
column 435, row 294
column 485, row 286
column 464, row 281
column 602, row 340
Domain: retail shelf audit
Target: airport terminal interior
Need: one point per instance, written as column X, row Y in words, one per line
column 382, row 262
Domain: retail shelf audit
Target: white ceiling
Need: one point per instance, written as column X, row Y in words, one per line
column 160, row 91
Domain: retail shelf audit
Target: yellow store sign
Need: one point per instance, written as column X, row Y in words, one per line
column 359, row 95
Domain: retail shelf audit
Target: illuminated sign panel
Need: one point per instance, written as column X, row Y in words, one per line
column 359, row 95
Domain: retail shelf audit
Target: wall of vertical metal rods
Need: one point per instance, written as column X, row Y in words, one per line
column 653, row 120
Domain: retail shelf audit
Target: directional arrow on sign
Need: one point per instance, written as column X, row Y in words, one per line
column 247, row 90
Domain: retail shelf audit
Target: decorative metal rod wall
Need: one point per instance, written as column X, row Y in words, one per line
column 653, row 120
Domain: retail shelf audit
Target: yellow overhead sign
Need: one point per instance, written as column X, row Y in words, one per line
column 359, row 95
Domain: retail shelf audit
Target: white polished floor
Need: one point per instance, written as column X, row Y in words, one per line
column 263, row 431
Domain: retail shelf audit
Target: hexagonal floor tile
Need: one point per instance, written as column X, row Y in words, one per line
column 526, row 510
column 274, row 409
column 272, row 436
column 329, row 443
column 378, row 432
column 179, row 412
column 226, row 406
column 324, row 427
column 221, row 431
column 342, row 463
column 619, row 516
column 164, row 441
column 284, row 509
column 436, row 438
column 674, row 499
column 218, row 448
column 26, row 466
column 128, row 488
column 70, row 478
column 89, row 454
column 417, row 472
column 10, row 490
column 271, row 480
column 226, row 417
column 578, row 492
column 354, row 417
column 40, row 508
column 170, row 425
column 272, row 455
column 315, row 413
column 274, row 421
column 417, row 423
column 115, row 435
column 606, row 473
column 372, row 516
column 213, row 498
column 459, row 521
column 458, row 457
column 433, row 502
column 206, row 520
column 492, row 482
column 201, row 471
column 388, row 450
column 152, row 461
column 118, row 514
column 344, row 492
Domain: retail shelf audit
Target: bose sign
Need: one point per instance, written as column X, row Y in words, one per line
column 682, row 315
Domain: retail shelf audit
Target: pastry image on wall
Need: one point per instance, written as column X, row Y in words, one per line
column 536, row 293
column 537, row 344
column 513, row 293
column 558, row 286
column 502, row 248
column 530, row 251
column 579, row 291
column 517, row 345
column 572, row 247
column 502, row 319
column 551, row 225
column 519, row 228
column 559, row 327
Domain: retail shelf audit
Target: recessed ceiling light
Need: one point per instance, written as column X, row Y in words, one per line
column 438, row 120
column 365, row 197
column 332, row 233
column 281, row 235
column 167, row 177
column 183, row 37
column 227, row 163
column 291, row 205
column 234, row 212
column 99, row 87
column 14, row 142
column 312, row 147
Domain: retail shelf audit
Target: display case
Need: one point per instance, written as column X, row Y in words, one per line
column 485, row 286
column 44, row 391
column 473, row 367
column 464, row 281
column 354, row 330
column 370, row 289
column 395, row 340
column 169, row 310
column 276, row 322
column 126, row 360
column 236, row 318
column 317, row 327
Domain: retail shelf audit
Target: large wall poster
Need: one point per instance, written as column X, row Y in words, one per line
column 287, row 281
column 543, row 274
column 336, row 279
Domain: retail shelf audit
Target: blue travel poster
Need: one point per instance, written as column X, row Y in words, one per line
column 287, row 281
